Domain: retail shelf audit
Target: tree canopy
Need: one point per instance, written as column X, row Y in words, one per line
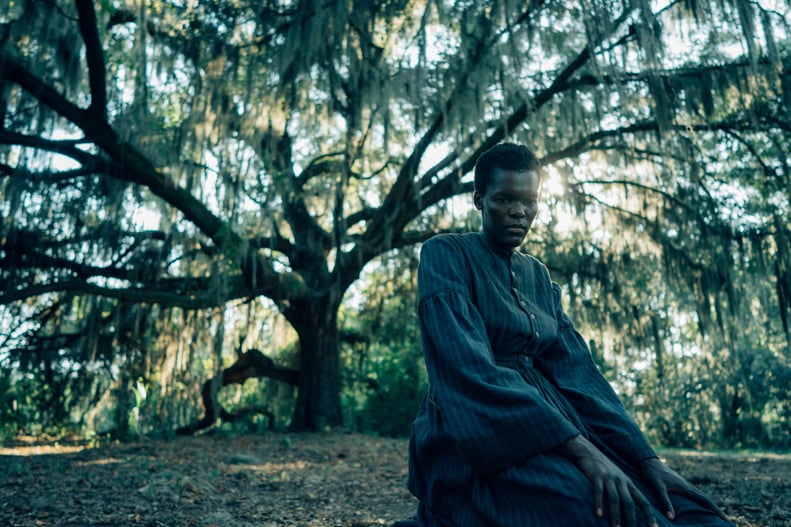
column 173, row 172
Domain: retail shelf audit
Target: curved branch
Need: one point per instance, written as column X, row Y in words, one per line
column 451, row 185
column 276, row 243
column 320, row 165
column 626, row 183
column 591, row 141
column 401, row 204
column 48, row 177
column 722, row 231
column 767, row 170
column 66, row 148
column 94, row 56
column 561, row 83
column 673, row 75
column 13, row 71
column 130, row 164
column 149, row 294
column 249, row 365
column 28, row 251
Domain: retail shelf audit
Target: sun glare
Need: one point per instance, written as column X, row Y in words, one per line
column 552, row 189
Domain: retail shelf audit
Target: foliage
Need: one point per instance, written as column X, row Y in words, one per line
column 179, row 181
column 383, row 360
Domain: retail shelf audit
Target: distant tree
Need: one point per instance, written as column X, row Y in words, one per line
column 172, row 158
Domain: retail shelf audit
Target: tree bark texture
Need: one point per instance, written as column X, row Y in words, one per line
column 318, row 404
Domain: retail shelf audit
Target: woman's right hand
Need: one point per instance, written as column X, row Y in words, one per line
column 610, row 484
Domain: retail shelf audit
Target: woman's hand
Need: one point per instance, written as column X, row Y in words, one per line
column 610, row 483
column 665, row 480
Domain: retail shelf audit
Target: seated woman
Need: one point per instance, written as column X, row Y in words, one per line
column 519, row 428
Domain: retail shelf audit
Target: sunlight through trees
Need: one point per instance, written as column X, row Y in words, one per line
column 182, row 182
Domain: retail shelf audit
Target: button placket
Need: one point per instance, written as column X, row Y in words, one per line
column 522, row 302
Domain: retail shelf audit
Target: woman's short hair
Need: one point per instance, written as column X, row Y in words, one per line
column 503, row 156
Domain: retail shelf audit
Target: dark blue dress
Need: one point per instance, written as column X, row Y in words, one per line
column 510, row 380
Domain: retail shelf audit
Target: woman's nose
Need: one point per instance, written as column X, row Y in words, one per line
column 518, row 211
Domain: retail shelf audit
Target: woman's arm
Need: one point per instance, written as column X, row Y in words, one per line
column 568, row 364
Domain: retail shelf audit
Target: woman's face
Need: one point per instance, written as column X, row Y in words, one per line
column 509, row 206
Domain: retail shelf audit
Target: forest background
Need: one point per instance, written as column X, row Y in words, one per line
column 211, row 211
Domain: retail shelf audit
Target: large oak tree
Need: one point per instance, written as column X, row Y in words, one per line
column 194, row 154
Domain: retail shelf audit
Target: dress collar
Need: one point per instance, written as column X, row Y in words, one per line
column 507, row 252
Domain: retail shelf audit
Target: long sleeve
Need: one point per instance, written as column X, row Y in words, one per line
column 568, row 363
column 491, row 413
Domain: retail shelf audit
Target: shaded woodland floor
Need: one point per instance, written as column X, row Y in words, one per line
column 283, row 479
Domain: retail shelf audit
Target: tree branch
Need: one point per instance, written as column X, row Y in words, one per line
column 130, row 164
column 401, row 204
column 143, row 295
column 13, row 71
column 66, row 148
column 48, row 178
column 450, row 185
column 94, row 56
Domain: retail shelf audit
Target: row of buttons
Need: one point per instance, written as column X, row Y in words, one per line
column 524, row 304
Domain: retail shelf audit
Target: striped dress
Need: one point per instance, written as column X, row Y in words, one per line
column 510, row 380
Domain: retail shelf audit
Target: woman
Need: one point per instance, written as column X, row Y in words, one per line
column 519, row 428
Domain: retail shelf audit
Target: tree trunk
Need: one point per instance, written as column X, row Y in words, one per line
column 318, row 405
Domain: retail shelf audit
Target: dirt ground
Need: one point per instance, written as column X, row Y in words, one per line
column 284, row 479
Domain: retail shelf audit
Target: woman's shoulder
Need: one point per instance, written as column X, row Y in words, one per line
column 529, row 259
column 463, row 242
column 446, row 264
column 533, row 263
column 451, row 253
column 456, row 238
